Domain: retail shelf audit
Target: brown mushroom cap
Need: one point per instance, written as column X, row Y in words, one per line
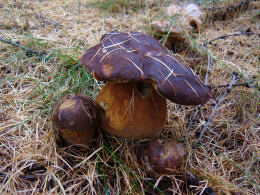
column 137, row 57
column 75, row 118
column 165, row 157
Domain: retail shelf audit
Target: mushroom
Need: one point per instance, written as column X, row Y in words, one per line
column 191, row 15
column 190, row 19
column 75, row 119
column 141, row 74
column 164, row 157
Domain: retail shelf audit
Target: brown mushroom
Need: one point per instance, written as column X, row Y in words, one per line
column 75, row 119
column 141, row 72
column 164, row 157
column 191, row 15
column 189, row 19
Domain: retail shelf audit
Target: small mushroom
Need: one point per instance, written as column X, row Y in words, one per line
column 190, row 19
column 75, row 119
column 141, row 74
column 164, row 157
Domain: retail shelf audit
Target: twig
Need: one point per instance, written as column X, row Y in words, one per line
column 247, row 85
column 208, row 70
column 26, row 49
column 42, row 17
column 193, row 118
column 232, row 35
column 14, row 44
column 50, row 21
column 217, row 105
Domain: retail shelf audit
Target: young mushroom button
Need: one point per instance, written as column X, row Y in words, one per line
column 164, row 157
column 75, row 119
column 141, row 73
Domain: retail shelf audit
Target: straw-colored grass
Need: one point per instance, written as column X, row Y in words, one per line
column 30, row 162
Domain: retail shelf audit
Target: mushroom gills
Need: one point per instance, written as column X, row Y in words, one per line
column 132, row 110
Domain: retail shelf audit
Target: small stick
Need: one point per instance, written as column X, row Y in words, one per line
column 194, row 117
column 29, row 51
column 247, row 85
column 208, row 70
column 39, row 16
column 14, row 44
column 219, row 86
column 232, row 35
column 217, row 105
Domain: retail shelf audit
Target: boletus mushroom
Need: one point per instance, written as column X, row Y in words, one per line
column 141, row 74
column 75, row 119
column 164, row 157
column 190, row 19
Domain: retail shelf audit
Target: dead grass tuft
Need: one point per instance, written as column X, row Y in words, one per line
column 30, row 161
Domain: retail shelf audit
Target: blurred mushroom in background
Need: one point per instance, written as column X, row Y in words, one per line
column 180, row 22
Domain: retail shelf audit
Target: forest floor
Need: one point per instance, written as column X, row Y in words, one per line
column 50, row 37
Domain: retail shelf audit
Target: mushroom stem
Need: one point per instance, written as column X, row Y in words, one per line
column 132, row 110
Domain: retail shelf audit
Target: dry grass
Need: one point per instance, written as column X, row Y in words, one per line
column 30, row 162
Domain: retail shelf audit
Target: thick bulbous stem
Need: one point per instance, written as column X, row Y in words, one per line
column 132, row 110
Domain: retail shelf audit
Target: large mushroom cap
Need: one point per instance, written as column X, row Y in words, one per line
column 137, row 57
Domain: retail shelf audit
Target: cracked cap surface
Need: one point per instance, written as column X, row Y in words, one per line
column 137, row 57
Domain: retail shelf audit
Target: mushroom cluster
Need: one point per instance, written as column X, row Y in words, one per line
column 140, row 75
